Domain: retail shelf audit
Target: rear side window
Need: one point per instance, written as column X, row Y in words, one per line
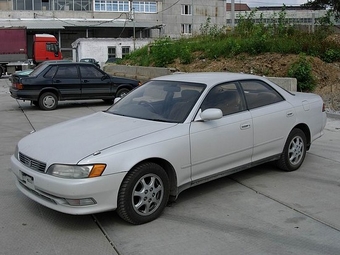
column 50, row 73
column 67, row 72
column 258, row 94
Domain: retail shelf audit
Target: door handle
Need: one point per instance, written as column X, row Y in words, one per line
column 245, row 126
column 289, row 114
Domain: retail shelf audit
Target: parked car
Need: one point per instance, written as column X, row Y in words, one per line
column 53, row 81
column 90, row 60
column 172, row 133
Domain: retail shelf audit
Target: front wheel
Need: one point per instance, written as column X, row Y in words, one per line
column 48, row 101
column 122, row 92
column 294, row 151
column 1, row 71
column 143, row 194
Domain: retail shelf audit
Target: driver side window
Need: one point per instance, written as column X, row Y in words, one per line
column 225, row 97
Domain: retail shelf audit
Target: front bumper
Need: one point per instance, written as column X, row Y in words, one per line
column 54, row 192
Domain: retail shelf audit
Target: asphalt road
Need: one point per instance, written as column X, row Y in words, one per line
column 259, row 211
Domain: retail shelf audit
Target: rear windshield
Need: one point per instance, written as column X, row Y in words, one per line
column 38, row 69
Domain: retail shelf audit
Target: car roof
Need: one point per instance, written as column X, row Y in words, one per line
column 70, row 63
column 208, row 78
column 57, row 61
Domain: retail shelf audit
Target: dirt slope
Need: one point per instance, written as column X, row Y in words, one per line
column 276, row 65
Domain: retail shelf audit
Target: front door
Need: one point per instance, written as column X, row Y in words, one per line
column 225, row 144
column 95, row 83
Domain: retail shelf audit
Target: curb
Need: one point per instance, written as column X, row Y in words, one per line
column 333, row 115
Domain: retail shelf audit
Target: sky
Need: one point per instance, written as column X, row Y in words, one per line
column 255, row 3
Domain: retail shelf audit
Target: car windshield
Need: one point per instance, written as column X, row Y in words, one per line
column 168, row 101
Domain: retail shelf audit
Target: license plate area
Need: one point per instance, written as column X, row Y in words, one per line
column 28, row 180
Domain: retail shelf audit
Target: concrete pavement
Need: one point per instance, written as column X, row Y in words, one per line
column 259, row 211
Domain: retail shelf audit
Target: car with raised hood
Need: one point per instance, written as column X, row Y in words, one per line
column 172, row 133
column 54, row 81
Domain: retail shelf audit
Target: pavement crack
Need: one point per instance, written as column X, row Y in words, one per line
column 96, row 221
column 26, row 116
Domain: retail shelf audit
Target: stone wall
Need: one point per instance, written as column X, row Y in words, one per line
column 146, row 73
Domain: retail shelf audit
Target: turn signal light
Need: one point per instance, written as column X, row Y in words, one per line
column 97, row 170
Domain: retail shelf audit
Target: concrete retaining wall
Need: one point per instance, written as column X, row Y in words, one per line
column 146, row 73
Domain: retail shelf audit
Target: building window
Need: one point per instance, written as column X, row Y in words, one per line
column 186, row 9
column 125, row 6
column 186, row 29
column 125, row 51
column 144, row 7
column 111, row 52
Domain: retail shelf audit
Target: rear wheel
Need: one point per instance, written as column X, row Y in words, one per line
column 143, row 194
column 294, row 151
column 48, row 101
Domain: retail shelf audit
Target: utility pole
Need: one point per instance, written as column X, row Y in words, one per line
column 132, row 18
column 232, row 14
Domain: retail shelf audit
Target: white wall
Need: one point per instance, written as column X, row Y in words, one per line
column 97, row 48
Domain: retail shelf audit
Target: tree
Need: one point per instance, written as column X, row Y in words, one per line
column 333, row 5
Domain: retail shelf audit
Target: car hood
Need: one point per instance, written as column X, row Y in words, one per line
column 71, row 141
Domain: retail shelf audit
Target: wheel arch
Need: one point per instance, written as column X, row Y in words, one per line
column 305, row 129
column 169, row 170
column 52, row 90
column 124, row 86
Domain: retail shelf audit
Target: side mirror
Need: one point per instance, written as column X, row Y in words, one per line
column 211, row 114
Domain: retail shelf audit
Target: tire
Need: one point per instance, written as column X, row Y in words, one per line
column 108, row 101
column 143, row 194
column 48, row 101
column 294, row 151
column 1, row 71
column 122, row 92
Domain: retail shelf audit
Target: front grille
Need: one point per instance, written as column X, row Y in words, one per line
column 32, row 163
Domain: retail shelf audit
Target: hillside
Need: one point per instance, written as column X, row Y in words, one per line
column 277, row 65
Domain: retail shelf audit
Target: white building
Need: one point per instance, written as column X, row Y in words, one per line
column 103, row 49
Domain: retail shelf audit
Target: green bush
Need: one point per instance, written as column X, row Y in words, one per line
column 163, row 52
column 331, row 55
column 247, row 37
column 302, row 71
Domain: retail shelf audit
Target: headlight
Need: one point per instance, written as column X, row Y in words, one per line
column 75, row 171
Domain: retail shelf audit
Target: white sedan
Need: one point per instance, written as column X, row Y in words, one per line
column 170, row 134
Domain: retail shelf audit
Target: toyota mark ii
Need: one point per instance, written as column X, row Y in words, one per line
column 172, row 133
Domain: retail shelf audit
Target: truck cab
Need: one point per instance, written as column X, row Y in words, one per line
column 45, row 47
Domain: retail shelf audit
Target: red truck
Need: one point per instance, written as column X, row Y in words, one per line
column 14, row 52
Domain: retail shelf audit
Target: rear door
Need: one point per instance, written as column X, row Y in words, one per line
column 66, row 79
column 94, row 82
column 273, row 118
